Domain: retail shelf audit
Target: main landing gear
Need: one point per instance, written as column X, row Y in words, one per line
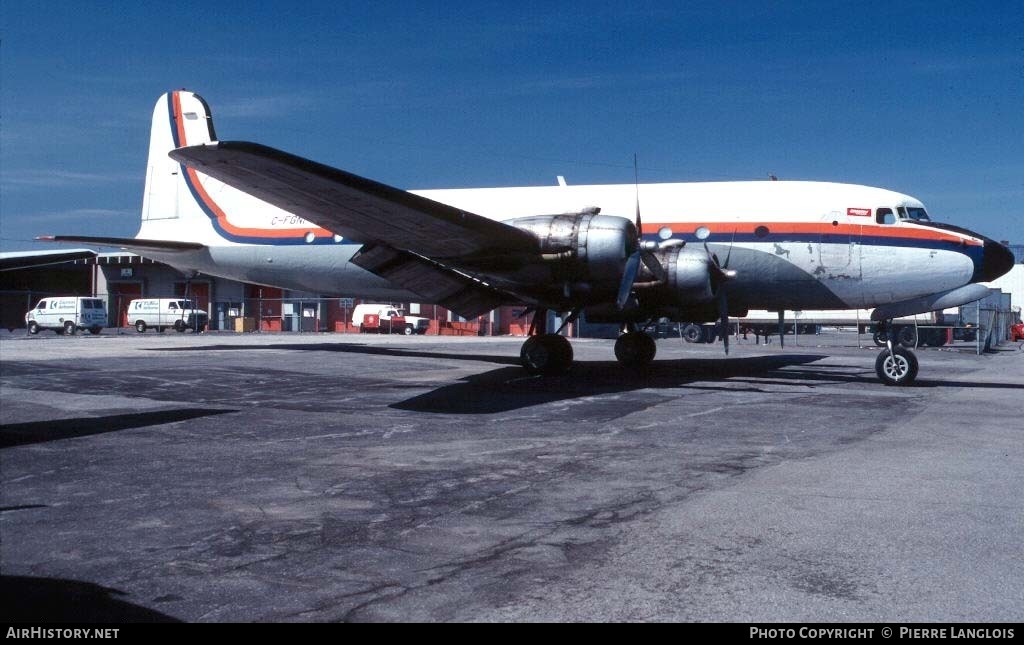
column 635, row 349
column 551, row 354
column 895, row 365
column 544, row 353
column 547, row 354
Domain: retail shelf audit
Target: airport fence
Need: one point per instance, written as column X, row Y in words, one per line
column 325, row 315
column 995, row 316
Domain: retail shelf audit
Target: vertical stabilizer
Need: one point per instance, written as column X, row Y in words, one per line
column 169, row 210
column 182, row 204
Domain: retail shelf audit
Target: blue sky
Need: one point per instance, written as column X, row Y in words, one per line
column 926, row 98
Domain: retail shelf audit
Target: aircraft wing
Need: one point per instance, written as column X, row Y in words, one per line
column 23, row 260
column 355, row 207
column 443, row 285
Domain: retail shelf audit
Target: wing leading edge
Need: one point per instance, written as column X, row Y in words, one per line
column 358, row 208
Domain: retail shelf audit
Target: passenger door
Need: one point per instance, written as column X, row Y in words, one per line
column 839, row 247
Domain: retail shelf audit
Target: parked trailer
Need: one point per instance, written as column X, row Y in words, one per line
column 935, row 328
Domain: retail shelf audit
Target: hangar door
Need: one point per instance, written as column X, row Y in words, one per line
column 119, row 296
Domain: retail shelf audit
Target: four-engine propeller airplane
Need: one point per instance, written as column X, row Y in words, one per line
column 703, row 251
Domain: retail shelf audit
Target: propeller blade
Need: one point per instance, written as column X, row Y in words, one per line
column 651, row 262
column 628, row 278
column 728, row 254
column 632, row 268
column 723, row 310
column 636, row 189
column 782, row 329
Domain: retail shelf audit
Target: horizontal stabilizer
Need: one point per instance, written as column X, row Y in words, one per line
column 129, row 243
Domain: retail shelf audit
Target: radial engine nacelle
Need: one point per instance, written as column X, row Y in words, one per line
column 689, row 275
column 585, row 250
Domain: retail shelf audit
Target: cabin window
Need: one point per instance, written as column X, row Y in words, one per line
column 885, row 216
column 41, row 305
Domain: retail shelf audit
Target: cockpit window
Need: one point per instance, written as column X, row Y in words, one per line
column 913, row 214
column 885, row 216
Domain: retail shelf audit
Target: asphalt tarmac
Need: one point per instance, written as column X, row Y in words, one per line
column 320, row 477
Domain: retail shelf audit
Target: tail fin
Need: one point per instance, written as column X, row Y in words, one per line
column 184, row 205
column 180, row 118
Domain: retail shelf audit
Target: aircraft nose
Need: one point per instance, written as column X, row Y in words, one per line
column 996, row 260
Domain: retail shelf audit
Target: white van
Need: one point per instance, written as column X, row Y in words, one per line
column 161, row 313
column 390, row 319
column 67, row 314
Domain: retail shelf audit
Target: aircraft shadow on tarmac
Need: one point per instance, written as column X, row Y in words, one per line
column 57, row 600
column 352, row 348
column 20, row 434
column 511, row 388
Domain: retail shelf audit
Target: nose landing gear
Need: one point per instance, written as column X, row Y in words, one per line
column 895, row 365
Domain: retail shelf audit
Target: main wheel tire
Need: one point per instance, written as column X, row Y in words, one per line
column 33, row 328
column 140, row 326
column 880, row 338
column 95, row 331
column 547, row 354
column 693, row 333
column 408, row 330
column 69, row 328
column 932, row 337
column 179, row 326
column 907, row 336
column 897, row 368
column 635, row 349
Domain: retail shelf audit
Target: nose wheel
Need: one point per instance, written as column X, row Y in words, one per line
column 898, row 367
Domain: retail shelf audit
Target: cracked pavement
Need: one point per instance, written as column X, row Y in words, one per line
column 296, row 477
